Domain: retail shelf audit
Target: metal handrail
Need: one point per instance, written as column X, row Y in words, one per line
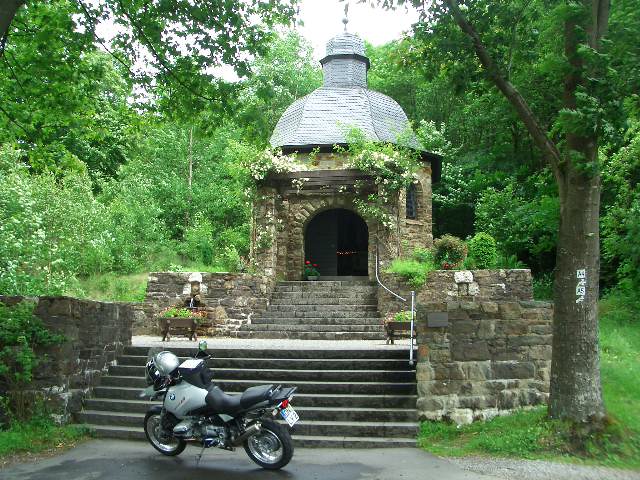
column 413, row 308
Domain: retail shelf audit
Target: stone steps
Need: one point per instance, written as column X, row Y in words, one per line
column 307, row 335
column 302, row 313
column 288, row 363
column 346, row 398
column 277, row 375
column 318, row 320
column 291, row 327
column 324, row 310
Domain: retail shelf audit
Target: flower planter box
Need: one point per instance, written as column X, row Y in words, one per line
column 394, row 329
column 178, row 325
column 312, row 278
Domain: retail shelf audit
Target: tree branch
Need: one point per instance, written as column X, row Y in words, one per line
column 92, row 20
column 15, row 122
column 159, row 57
column 543, row 142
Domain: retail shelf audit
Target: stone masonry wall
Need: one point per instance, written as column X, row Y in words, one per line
column 231, row 299
column 446, row 285
column 493, row 357
column 95, row 333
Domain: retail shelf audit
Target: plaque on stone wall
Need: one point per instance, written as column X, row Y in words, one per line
column 437, row 319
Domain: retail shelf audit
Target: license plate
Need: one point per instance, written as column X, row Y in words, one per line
column 290, row 415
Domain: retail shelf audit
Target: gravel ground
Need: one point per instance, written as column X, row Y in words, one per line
column 511, row 469
column 277, row 344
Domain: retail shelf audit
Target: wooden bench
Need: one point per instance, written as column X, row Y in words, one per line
column 183, row 325
column 393, row 328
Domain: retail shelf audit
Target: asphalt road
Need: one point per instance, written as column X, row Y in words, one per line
column 121, row 460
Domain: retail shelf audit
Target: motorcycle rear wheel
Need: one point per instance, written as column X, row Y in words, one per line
column 165, row 444
column 271, row 447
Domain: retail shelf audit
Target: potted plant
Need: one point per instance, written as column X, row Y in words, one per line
column 311, row 270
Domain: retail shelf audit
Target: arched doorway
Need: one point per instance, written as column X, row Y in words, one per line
column 337, row 240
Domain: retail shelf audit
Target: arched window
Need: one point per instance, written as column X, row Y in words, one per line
column 412, row 202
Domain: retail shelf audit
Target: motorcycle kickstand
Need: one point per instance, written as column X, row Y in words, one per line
column 199, row 456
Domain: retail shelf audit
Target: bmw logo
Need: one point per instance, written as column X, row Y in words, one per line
column 172, row 396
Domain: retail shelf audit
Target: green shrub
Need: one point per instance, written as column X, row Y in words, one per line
column 543, row 286
column 483, row 250
column 449, row 252
column 230, row 259
column 423, row 255
column 415, row 273
column 403, row 316
column 198, row 241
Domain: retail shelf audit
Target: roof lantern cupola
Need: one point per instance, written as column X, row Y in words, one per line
column 345, row 63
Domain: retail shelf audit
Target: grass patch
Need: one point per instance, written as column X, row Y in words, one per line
column 38, row 435
column 111, row 287
column 530, row 434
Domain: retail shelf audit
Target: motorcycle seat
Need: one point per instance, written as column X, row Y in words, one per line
column 220, row 402
column 253, row 395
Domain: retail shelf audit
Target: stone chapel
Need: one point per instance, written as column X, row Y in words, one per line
column 310, row 214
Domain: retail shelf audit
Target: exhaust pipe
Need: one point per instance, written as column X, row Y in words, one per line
column 253, row 428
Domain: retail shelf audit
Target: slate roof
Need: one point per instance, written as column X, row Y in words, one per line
column 325, row 116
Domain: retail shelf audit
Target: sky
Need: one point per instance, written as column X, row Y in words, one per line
column 322, row 20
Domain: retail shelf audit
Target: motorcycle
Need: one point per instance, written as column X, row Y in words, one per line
column 194, row 410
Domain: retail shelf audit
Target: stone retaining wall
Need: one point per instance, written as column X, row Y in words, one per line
column 231, row 299
column 95, row 333
column 469, row 285
column 492, row 357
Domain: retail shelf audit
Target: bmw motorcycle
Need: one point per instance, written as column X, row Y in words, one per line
column 194, row 410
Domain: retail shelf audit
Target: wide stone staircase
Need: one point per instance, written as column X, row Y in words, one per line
column 358, row 398
column 322, row 310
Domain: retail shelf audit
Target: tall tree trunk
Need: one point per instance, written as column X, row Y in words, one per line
column 8, row 9
column 575, row 367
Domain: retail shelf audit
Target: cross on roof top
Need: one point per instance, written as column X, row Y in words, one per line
column 345, row 20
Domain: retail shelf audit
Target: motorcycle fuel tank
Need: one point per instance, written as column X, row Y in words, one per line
column 183, row 398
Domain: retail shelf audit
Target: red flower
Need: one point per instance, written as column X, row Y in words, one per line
column 315, row 264
column 307, row 262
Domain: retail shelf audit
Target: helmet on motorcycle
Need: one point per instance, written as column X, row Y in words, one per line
column 166, row 363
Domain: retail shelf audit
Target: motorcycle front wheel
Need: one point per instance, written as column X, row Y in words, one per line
column 271, row 447
column 165, row 443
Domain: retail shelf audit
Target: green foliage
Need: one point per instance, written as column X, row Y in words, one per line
column 543, row 286
column 483, row 250
column 423, row 255
column 392, row 169
column 413, row 271
column 621, row 220
column 49, row 229
column 229, row 259
column 110, row 287
column 449, row 252
column 176, row 312
column 198, row 241
column 526, row 229
column 403, row 316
